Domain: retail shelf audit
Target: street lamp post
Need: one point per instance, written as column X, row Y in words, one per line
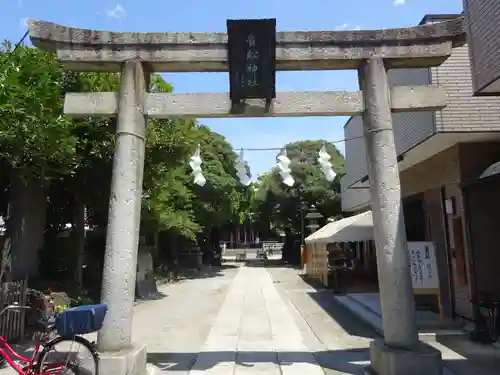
column 312, row 218
column 302, row 225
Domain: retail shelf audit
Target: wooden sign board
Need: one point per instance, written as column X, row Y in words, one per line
column 423, row 264
column 424, row 271
column 251, row 49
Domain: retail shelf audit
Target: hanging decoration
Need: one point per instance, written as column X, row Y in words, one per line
column 241, row 168
column 326, row 167
column 283, row 164
column 195, row 165
column 284, row 168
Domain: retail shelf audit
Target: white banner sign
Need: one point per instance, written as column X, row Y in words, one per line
column 273, row 246
column 423, row 265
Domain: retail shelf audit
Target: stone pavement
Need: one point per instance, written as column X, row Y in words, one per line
column 334, row 325
column 254, row 332
column 176, row 326
column 254, row 329
column 251, row 320
column 248, row 319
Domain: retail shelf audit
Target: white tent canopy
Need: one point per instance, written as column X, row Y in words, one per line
column 354, row 228
column 328, row 229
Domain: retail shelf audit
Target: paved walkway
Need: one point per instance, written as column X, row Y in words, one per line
column 176, row 326
column 254, row 320
column 240, row 322
column 254, row 332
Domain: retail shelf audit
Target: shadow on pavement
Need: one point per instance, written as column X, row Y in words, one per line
column 352, row 325
column 340, row 314
column 342, row 361
column 205, row 272
column 269, row 263
column 476, row 358
column 314, row 283
column 481, row 358
column 348, row 361
column 151, row 296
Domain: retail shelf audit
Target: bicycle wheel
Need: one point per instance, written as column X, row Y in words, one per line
column 60, row 357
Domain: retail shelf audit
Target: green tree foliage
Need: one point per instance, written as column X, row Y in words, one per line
column 278, row 207
column 34, row 136
column 218, row 199
column 94, row 150
column 72, row 158
column 171, row 200
column 37, row 144
column 167, row 192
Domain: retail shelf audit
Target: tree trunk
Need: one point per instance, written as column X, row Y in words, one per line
column 26, row 225
column 156, row 246
column 6, row 263
column 79, row 234
column 174, row 254
column 289, row 251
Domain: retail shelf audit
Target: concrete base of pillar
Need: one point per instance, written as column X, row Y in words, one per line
column 387, row 361
column 130, row 361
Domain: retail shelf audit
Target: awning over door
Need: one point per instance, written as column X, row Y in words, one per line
column 354, row 228
column 493, row 169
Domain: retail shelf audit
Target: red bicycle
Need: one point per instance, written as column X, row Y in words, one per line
column 58, row 336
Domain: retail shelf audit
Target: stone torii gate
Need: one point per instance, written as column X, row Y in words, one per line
column 372, row 53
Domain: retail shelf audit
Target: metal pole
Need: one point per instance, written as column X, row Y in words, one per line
column 302, row 226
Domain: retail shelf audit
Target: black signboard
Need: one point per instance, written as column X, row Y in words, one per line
column 251, row 49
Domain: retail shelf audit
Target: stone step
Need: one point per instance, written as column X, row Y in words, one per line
column 374, row 320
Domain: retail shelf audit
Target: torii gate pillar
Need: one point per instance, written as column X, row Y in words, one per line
column 400, row 352
column 122, row 235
